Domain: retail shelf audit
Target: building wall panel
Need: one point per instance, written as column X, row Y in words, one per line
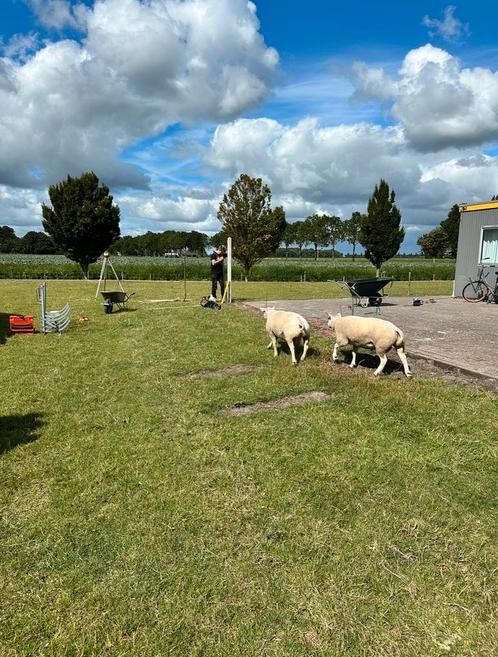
column 469, row 245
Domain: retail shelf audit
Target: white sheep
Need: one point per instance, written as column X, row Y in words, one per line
column 287, row 326
column 368, row 332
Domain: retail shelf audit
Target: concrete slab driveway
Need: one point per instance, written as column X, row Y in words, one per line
column 449, row 332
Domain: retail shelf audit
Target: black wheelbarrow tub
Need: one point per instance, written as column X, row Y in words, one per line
column 116, row 297
column 369, row 287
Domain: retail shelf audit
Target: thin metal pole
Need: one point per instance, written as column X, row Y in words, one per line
column 106, row 263
column 102, row 276
column 43, row 301
column 115, row 275
column 184, row 276
column 229, row 269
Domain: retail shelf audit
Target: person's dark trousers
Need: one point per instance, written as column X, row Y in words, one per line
column 215, row 279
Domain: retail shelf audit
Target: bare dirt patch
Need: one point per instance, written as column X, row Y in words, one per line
column 233, row 370
column 278, row 404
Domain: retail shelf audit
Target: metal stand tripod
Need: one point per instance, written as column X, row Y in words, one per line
column 106, row 264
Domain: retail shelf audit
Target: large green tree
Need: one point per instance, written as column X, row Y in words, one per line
column 218, row 238
column 247, row 217
column 380, row 229
column 37, row 242
column 83, row 221
column 451, row 226
column 434, row 244
column 352, row 230
column 301, row 235
column 289, row 237
column 316, row 231
column 335, row 231
column 9, row 242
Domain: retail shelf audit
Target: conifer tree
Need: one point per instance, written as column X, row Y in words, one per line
column 451, row 226
column 380, row 232
column 83, row 222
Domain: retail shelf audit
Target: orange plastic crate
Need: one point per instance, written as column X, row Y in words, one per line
column 21, row 324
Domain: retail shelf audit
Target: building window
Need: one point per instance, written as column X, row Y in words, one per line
column 489, row 247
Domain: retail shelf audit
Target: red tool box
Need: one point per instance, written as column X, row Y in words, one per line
column 21, row 324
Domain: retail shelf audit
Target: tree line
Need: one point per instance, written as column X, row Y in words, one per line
column 323, row 231
column 442, row 241
column 82, row 221
column 32, row 242
column 257, row 230
column 169, row 242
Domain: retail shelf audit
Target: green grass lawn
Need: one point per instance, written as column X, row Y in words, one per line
column 137, row 520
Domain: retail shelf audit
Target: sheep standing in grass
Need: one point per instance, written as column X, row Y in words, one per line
column 287, row 326
column 368, row 332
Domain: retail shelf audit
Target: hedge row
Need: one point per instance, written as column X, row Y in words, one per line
column 265, row 271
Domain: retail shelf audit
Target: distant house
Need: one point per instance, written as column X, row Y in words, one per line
column 477, row 244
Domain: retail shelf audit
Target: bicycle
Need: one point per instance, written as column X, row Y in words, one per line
column 479, row 290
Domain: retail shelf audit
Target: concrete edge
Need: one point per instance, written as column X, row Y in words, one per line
column 458, row 369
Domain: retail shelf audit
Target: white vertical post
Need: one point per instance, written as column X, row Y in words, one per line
column 103, row 273
column 41, row 293
column 229, row 270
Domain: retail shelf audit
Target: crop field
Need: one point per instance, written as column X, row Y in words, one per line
column 271, row 269
column 139, row 518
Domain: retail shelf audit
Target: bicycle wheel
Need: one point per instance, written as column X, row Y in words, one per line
column 475, row 291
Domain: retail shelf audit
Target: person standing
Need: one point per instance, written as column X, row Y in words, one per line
column 217, row 272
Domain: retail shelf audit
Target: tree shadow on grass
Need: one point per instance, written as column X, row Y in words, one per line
column 18, row 430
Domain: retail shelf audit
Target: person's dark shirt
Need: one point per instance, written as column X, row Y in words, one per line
column 218, row 267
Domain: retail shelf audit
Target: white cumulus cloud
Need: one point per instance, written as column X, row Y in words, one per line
column 59, row 14
column 159, row 212
column 450, row 28
column 141, row 66
column 438, row 103
column 20, row 208
column 319, row 162
column 311, row 168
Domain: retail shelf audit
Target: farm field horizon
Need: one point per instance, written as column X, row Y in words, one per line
column 170, row 268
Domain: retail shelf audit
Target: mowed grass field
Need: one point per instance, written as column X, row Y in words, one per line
column 139, row 520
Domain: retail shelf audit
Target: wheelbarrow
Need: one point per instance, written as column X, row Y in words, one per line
column 367, row 291
column 119, row 299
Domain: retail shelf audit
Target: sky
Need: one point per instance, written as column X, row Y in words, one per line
column 168, row 101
